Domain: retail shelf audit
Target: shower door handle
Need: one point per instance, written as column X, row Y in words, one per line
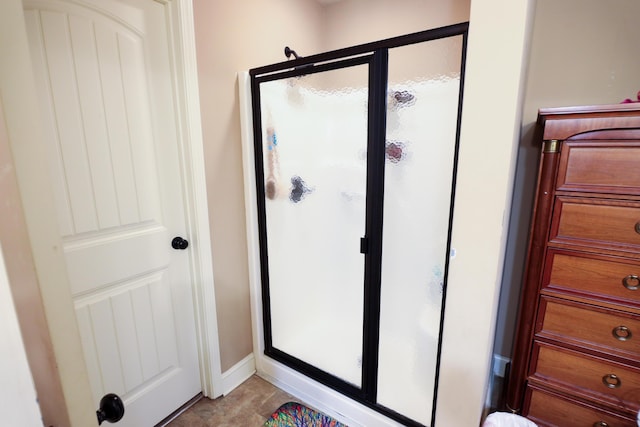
column 364, row 245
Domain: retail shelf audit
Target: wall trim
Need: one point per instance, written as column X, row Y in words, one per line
column 238, row 373
column 184, row 60
column 325, row 399
column 251, row 211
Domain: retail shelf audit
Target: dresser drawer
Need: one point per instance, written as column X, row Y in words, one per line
column 549, row 409
column 596, row 223
column 582, row 325
column 599, row 166
column 599, row 379
column 600, row 277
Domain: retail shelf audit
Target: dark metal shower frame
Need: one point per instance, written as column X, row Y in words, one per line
column 375, row 55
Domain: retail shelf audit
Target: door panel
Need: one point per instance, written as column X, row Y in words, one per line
column 127, row 339
column 422, row 119
column 314, row 155
column 104, row 72
column 133, row 251
column 99, row 118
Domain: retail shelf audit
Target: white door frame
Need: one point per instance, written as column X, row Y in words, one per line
column 20, row 100
column 196, row 194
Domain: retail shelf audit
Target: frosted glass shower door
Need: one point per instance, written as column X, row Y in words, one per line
column 314, row 142
column 355, row 163
column 422, row 120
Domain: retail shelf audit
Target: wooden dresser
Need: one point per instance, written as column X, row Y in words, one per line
column 576, row 358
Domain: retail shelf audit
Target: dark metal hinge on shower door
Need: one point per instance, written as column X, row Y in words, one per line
column 364, row 245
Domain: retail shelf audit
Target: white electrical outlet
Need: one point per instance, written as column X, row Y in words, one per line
column 500, row 365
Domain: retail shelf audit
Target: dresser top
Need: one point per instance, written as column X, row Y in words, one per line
column 563, row 122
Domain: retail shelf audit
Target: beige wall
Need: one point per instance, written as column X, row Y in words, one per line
column 583, row 52
column 353, row 22
column 233, row 36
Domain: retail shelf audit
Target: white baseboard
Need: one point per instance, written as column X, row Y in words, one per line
column 238, row 373
column 320, row 397
column 500, row 365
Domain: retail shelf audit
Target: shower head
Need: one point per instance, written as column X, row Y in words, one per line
column 288, row 52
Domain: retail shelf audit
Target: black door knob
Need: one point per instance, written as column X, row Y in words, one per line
column 179, row 243
column 111, row 409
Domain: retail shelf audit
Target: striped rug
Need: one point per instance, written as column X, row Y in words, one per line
column 294, row 414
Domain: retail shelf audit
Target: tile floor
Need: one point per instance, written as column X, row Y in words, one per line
column 249, row 405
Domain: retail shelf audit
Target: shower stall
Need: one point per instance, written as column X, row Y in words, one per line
column 355, row 167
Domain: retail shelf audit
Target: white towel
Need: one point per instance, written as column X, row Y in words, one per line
column 504, row 419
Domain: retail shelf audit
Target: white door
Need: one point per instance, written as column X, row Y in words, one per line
column 106, row 83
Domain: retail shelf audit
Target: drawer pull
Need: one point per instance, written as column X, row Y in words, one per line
column 631, row 282
column 637, row 227
column 611, row 381
column 600, row 424
column 622, row 333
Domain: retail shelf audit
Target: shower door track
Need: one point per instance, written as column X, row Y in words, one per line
column 374, row 54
